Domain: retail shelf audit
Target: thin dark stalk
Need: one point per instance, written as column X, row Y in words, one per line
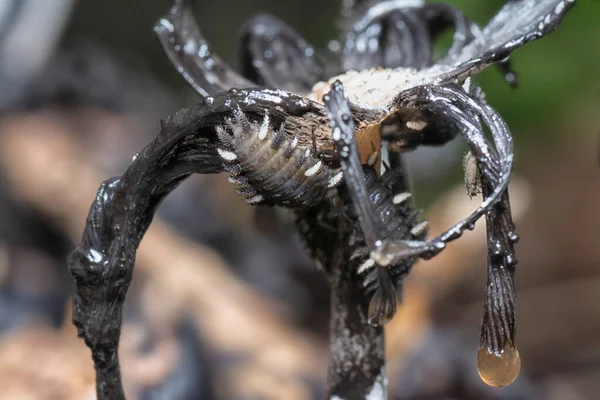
column 357, row 367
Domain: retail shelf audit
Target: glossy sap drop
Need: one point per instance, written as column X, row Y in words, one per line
column 499, row 369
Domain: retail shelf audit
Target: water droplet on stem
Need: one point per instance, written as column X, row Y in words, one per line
column 499, row 369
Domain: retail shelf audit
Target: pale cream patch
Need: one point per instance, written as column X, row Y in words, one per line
column 401, row 198
column 335, row 180
column 416, row 125
column 367, row 265
column 227, row 155
column 419, row 229
column 314, row 169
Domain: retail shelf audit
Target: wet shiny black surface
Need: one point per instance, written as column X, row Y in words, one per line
column 102, row 263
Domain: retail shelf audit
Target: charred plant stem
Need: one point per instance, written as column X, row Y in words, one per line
column 102, row 264
column 357, row 366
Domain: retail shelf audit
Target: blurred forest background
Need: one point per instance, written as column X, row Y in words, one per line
column 224, row 303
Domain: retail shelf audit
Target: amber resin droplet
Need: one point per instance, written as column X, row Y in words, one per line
column 499, row 369
column 381, row 310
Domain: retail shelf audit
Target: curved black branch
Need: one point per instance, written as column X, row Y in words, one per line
column 441, row 16
column 516, row 24
column 190, row 53
column 450, row 103
column 102, row 264
column 275, row 55
column 388, row 34
column 401, row 33
column 357, row 359
column 498, row 325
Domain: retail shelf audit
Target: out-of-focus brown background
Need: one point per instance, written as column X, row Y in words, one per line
column 224, row 303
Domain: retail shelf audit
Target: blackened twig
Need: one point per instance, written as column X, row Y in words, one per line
column 357, row 359
column 187, row 49
column 102, row 264
column 357, row 367
column 209, row 284
column 498, row 325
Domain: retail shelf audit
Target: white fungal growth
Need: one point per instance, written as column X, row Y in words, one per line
column 372, row 158
column 367, row 265
column 356, row 253
column 227, row 155
column 255, row 199
column 419, row 229
column 377, row 88
column 264, row 128
column 335, row 180
column 236, row 181
column 467, row 84
column 314, row 169
column 401, row 198
column 416, row 125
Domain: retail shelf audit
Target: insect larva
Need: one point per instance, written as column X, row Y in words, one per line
column 269, row 168
column 472, row 178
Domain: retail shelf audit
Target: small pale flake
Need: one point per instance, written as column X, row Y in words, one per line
column 237, row 181
column 372, row 158
column 314, row 169
column 227, row 155
column 255, row 199
column 401, row 198
column 419, row 229
column 264, row 128
column 335, row 180
column 416, row 125
column 467, row 84
column 367, row 265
